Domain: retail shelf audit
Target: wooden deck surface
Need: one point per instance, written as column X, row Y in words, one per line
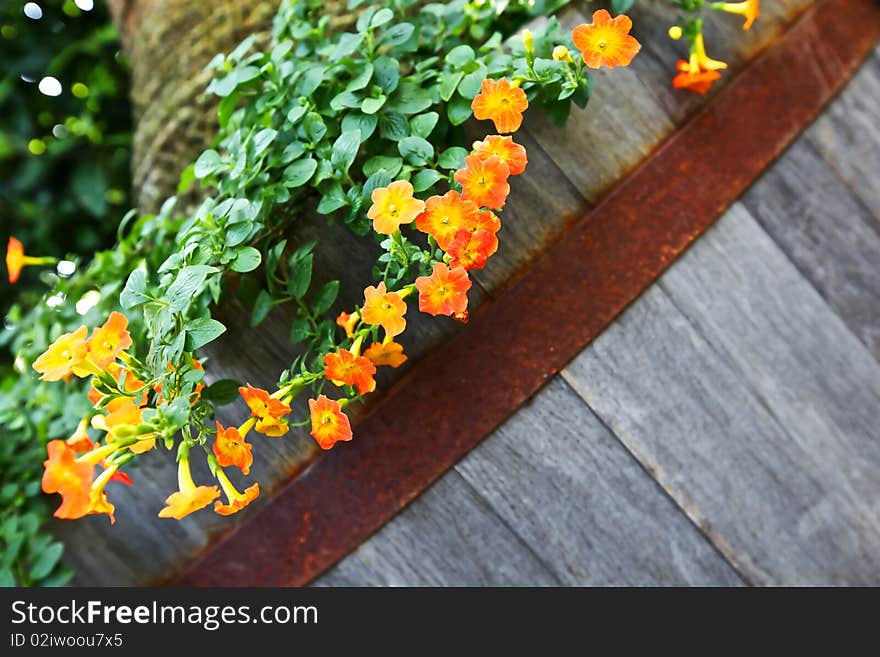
column 722, row 431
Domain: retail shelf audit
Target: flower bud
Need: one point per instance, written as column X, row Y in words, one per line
column 528, row 40
column 675, row 32
column 561, row 54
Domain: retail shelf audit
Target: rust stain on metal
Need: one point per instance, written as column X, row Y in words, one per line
column 463, row 390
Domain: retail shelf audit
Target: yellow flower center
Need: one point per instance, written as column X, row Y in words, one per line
column 393, row 210
column 602, row 44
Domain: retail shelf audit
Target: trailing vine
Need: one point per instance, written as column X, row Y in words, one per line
column 363, row 126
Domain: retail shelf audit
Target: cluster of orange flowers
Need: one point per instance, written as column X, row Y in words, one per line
column 700, row 71
column 464, row 225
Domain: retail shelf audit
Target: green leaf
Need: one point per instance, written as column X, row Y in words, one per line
column 383, row 163
column 410, row 98
column 7, row 579
column 416, row 150
column 222, row 392
column 425, row 179
column 345, row 150
column 133, row 293
column 423, row 124
column 452, row 158
column 325, row 297
column 361, row 79
column 332, row 198
column 386, row 73
column 621, row 6
column 238, row 232
column 471, row 83
column 208, row 163
column 364, row 123
column 381, row 17
column 398, row 34
column 46, row 561
column 262, row 306
column 310, row 80
column 262, row 140
column 294, row 115
column 247, row 258
column 300, row 277
column 458, row 110
column 393, row 126
column 201, row 331
column 314, row 126
column 449, row 83
column 186, row 286
column 460, row 56
column 373, row 105
column 300, row 330
column 299, row 173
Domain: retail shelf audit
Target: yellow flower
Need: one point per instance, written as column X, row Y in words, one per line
column 394, row 205
column 750, row 10
column 63, row 356
column 190, row 497
column 237, row 501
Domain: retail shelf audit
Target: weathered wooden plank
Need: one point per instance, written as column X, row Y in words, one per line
column 848, row 134
column 830, row 236
column 564, row 483
column 753, row 406
column 447, row 537
column 566, row 488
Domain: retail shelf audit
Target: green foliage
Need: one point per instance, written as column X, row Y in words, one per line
column 64, row 178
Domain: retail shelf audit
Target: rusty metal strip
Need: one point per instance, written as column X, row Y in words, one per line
column 458, row 394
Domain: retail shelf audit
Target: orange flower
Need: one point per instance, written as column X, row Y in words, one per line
column 444, row 292
column 110, row 339
column 16, row 260
column 471, row 249
column 189, row 497
column 484, row 181
column 348, row 321
column 80, row 442
column 750, row 10
column 385, row 309
column 394, row 205
column 329, row 423
column 64, row 474
column 63, row 355
column 346, row 369
column 237, row 501
column 606, row 41
column 231, row 449
column 487, row 220
column 98, row 504
column 445, row 215
column 699, row 82
column 268, row 411
column 501, row 102
column 513, row 154
column 386, row 353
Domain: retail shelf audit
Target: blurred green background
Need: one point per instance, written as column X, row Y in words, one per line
column 64, row 159
column 65, row 134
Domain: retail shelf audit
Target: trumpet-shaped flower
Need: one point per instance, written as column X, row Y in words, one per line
column 749, row 9
column 471, row 249
column 189, row 498
column 606, row 41
column 345, row 369
column 484, row 181
column 392, row 206
column 385, row 309
column 444, row 292
column 386, row 353
column 231, row 449
column 488, row 221
column 80, row 441
column 699, row 82
column 329, row 423
column 511, row 153
column 348, row 321
column 109, row 340
column 502, row 103
column 63, row 356
column 16, row 260
column 445, row 215
column 71, row 478
column 268, row 410
column 236, row 501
